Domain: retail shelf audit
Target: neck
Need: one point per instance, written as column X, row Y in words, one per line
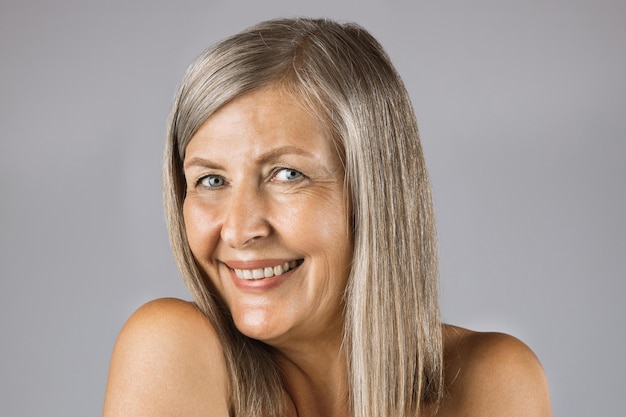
column 315, row 377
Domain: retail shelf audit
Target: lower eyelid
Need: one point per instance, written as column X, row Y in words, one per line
column 278, row 171
column 200, row 181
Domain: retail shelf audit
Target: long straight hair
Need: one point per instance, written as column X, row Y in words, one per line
column 392, row 327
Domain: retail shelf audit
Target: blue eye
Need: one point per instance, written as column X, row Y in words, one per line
column 212, row 181
column 287, row 174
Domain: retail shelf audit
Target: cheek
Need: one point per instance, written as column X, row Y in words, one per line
column 323, row 227
column 339, row 238
column 200, row 227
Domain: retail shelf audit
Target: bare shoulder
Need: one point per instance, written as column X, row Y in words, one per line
column 167, row 361
column 492, row 374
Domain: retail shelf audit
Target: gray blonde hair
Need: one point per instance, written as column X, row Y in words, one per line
column 392, row 327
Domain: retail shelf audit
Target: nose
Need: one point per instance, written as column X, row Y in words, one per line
column 245, row 219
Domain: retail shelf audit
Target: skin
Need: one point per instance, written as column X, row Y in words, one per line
column 265, row 187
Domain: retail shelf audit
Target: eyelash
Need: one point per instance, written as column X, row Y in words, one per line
column 200, row 181
column 276, row 171
column 273, row 175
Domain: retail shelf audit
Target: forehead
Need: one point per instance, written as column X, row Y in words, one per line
column 259, row 121
column 262, row 107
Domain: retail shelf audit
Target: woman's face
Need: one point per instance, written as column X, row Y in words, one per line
column 267, row 218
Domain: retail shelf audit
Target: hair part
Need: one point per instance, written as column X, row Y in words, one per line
column 392, row 327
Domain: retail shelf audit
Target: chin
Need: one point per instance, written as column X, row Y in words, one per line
column 256, row 325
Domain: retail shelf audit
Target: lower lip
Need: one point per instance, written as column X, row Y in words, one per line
column 263, row 284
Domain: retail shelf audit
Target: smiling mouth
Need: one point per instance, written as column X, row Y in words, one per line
column 268, row 272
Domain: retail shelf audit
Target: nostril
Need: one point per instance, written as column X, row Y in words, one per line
column 244, row 222
column 244, row 234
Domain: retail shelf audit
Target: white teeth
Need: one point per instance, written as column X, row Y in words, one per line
column 251, row 274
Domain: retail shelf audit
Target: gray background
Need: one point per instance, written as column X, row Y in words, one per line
column 521, row 107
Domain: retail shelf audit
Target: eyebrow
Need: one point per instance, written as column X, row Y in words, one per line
column 263, row 158
column 200, row 162
column 284, row 150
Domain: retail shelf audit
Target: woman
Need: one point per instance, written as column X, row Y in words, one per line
column 301, row 219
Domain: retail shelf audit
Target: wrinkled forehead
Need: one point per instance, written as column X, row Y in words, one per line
column 297, row 95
